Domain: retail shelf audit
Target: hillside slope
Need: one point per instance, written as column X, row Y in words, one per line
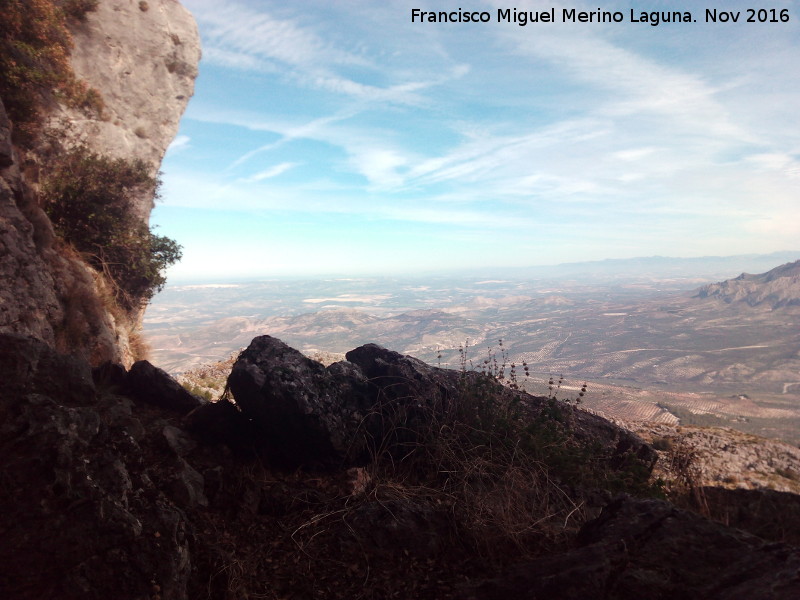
column 773, row 289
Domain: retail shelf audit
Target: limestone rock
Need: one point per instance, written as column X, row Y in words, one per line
column 404, row 379
column 29, row 301
column 30, row 366
column 724, row 457
column 188, row 487
column 83, row 515
column 6, row 149
column 144, row 63
column 223, row 423
column 106, row 496
column 756, row 511
column 178, row 440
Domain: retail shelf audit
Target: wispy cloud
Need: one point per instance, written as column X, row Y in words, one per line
column 258, row 39
column 236, row 60
column 258, row 33
column 273, row 171
column 179, row 143
column 637, row 136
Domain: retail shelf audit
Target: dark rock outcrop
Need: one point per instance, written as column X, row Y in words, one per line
column 382, row 527
column 397, row 378
column 305, row 414
column 105, row 495
column 222, row 422
column 650, row 549
column 153, row 385
column 30, row 366
column 769, row 514
column 6, row 148
column 87, row 507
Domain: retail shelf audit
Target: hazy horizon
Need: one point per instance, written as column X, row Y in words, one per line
column 737, row 262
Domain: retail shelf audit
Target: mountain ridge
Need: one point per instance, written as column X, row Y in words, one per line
column 774, row 289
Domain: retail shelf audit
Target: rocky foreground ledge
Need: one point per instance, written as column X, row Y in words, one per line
column 299, row 413
column 120, row 484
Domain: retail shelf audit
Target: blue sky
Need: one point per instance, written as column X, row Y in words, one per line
column 339, row 138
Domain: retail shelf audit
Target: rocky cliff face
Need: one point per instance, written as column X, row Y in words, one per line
column 144, row 63
column 142, row 58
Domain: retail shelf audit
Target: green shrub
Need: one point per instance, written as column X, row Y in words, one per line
column 35, row 44
column 91, row 201
column 198, row 391
column 663, row 444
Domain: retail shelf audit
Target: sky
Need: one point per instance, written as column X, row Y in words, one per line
column 343, row 139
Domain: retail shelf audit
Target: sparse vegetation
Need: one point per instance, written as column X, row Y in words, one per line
column 89, row 198
column 198, row 391
column 662, row 444
column 497, row 362
column 511, row 473
column 140, row 349
column 208, row 381
column 483, row 475
column 35, row 44
column 685, row 487
column 83, row 313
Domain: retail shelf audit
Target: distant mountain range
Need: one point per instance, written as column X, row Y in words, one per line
column 652, row 266
column 774, row 289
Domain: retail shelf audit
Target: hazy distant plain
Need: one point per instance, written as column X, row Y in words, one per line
column 650, row 350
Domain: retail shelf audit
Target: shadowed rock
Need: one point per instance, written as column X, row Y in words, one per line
column 154, row 386
column 30, row 366
column 83, row 515
column 6, row 147
column 109, row 498
column 650, row 549
column 304, row 414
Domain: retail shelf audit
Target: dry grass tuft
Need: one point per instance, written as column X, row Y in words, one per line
column 508, row 472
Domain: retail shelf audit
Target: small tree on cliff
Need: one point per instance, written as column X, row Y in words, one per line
column 91, row 201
